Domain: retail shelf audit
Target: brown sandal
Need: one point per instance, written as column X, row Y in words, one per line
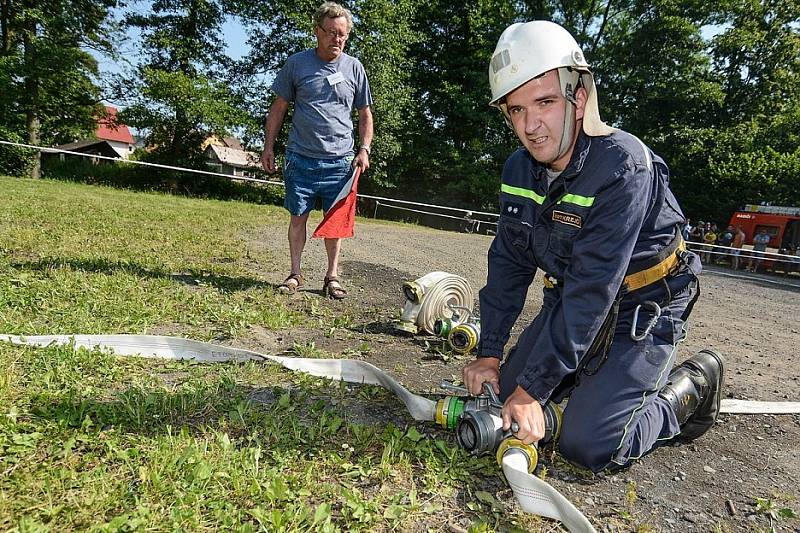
column 336, row 292
column 291, row 284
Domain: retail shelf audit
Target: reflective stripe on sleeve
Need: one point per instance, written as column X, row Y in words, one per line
column 525, row 193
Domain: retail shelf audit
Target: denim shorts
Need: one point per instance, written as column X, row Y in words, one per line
column 309, row 178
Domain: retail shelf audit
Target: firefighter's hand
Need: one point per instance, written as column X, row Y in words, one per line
column 268, row 160
column 521, row 408
column 481, row 370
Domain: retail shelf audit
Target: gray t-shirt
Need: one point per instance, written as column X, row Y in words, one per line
column 760, row 241
column 324, row 96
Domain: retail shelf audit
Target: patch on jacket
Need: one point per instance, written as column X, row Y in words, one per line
column 568, row 218
column 513, row 210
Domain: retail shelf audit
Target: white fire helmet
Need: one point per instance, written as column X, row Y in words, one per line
column 528, row 50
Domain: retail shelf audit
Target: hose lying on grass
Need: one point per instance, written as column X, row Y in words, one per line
column 533, row 494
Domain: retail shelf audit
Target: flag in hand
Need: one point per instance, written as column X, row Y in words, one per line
column 339, row 221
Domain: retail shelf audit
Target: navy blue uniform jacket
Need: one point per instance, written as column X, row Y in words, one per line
column 611, row 205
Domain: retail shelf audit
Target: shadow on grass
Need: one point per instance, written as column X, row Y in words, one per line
column 276, row 412
column 104, row 266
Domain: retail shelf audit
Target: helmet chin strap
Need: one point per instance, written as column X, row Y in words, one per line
column 569, row 129
column 569, row 84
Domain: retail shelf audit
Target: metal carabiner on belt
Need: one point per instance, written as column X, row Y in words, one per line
column 656, row 314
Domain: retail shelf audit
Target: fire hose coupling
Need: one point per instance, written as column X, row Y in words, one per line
column 413, row 291
column 465, row 337
column 462, row 329
column 479, row 425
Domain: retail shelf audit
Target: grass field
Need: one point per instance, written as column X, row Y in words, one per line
column 93, row 442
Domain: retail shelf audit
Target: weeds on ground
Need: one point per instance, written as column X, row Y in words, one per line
column 774, row 510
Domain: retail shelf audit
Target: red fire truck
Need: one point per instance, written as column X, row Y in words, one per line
column 782, row 224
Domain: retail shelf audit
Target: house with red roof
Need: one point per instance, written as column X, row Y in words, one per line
column 117, row 135
column 111, row 139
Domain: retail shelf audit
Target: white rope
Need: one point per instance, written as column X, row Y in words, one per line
column 435, row 214
column 749, row 276
column 744, row 253
column 468, row 212
column 142, row 163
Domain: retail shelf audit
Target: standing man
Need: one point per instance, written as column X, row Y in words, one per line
column 710, row 239
column 325, row 85
column 591, row 207
column 724, row 240
column 738, row 242
column 760, row 242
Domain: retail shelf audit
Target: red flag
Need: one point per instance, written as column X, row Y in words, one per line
column 340, row 219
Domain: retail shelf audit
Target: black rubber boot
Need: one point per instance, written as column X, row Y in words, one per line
column 694, row 391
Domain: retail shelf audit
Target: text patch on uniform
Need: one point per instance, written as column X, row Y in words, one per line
column 568, row 218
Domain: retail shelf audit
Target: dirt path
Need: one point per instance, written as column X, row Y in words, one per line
column 711, row 484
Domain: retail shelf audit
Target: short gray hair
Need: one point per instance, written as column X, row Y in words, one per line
column 332, row 10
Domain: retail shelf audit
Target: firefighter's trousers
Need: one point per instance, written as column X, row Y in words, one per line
column 614, row 413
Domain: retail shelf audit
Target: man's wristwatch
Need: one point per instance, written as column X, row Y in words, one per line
column 365, row 147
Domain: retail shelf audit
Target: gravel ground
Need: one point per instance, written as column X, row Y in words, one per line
column 709, row 485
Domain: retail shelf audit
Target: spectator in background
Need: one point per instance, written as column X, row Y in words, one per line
column 783, row 262
column 760, row 242
column 696, row 233
column 725, row 239
column 736, row 244
column 709, row 239
column 791, row 260
column 326, row 86
column 687, row 229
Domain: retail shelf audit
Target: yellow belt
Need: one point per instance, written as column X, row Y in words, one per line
column 637, row 280
column 643, row 278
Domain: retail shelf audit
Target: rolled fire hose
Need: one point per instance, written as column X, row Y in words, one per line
column 534, row 495
column 430, row 297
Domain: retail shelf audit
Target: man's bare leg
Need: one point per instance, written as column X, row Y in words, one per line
column 333, row 287
column 332, row 247
column 297, row 240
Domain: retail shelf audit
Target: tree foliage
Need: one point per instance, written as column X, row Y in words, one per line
column 179, row 95
column 659, row 76
column 712, row 87
column 48, row 90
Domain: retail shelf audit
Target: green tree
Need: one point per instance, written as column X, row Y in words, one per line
column 653, row 71
column 756, row 57
column 180, row 95
column 749, row 152
column 47, row 78
column 459, row 142
column 722, row 111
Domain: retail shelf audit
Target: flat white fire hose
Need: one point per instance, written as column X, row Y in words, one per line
column 163, row 347
column 533, row 494
column 747, row 407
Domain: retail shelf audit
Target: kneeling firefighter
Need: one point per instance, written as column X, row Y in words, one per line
column 590, row 206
